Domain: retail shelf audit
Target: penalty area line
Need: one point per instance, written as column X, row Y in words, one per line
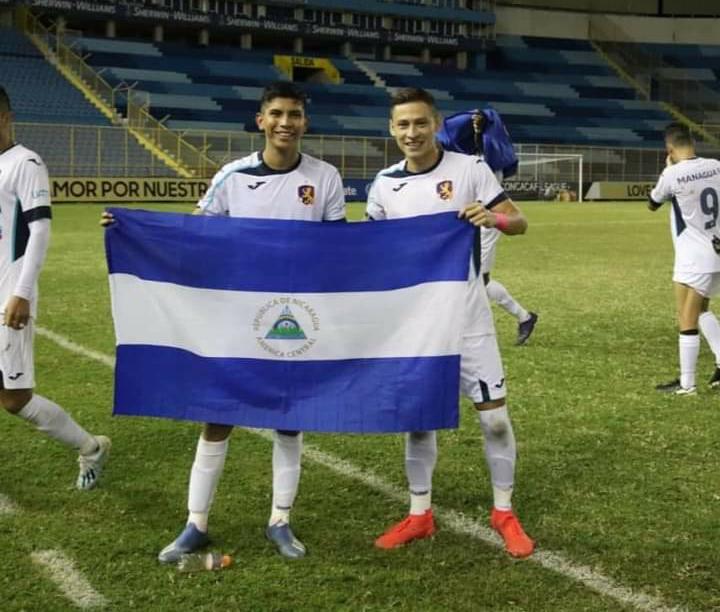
column 452, row 519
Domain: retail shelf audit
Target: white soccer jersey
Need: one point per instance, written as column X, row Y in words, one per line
column 310, row 191
column 489, row 237
column 24, row 198
column 454, row 182
column 693, row 186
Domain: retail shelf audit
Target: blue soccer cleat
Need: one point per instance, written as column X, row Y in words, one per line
column 284, row 539
column 190, row 540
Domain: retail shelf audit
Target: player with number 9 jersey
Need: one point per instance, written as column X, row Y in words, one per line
column 692, row 184
column 693, row 187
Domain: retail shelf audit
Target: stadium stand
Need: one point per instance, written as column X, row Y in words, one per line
column 549, row 90
column 41, row 95
column 689, row 75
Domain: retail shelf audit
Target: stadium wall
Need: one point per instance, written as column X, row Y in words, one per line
column 572, row 24
column 672, row 8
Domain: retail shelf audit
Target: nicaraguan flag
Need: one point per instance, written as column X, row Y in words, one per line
column 289, row 324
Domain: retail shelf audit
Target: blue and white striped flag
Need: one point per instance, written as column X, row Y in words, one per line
column 289, row 324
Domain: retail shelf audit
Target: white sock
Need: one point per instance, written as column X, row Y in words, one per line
column 54, row 422
column 689, row 346
column 500, row 452
column 204, row 477
column 287, row 451
column 710, row 328
column 420, row 459
column 498, row 294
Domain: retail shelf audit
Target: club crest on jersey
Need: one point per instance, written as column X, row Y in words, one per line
column 306, row 193
column 445, row 190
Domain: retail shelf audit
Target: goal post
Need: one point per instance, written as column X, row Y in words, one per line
column 547, row 176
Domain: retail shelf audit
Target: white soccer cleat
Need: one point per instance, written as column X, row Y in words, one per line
column 91, row 465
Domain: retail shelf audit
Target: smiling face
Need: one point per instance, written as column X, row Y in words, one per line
column 413, row 125
column 284, row 122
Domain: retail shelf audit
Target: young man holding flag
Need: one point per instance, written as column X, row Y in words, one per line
column 430, row 180
column 276, row 183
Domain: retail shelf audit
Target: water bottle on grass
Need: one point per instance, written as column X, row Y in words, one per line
column 201, row 562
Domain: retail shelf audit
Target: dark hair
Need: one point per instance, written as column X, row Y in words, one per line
column 678, row 135
column 4, row 101
column 282, row 89
column 411, row 94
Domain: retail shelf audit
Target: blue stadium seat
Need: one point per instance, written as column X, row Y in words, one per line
column 542, row 86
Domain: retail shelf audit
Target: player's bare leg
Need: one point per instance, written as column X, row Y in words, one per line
column 501, row 454
column 204, row 477
column 54, row 422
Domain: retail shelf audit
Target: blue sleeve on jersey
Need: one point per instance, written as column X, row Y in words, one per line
column 39, row 212
column 653, row 204
column 500, row 197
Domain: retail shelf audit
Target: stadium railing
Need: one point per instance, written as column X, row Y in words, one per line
column 165, row 143
column 98, row 151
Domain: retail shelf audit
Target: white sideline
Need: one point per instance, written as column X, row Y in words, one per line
column 61, row 570
column 451, row 519
column 7, row 505
column 68, row 344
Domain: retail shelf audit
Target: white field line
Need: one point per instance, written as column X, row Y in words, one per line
column 61, row 570
column 75, row 348
column 455, row 521
column 7, row 505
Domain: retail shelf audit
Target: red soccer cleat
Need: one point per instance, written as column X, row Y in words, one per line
column 517, row 542
column 414, row 527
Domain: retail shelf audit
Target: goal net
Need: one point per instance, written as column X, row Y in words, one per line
column 547, row 176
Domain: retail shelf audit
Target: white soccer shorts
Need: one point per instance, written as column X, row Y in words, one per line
column 489, row 238
column 706, row 284
column 16, row 357
column 482, row 378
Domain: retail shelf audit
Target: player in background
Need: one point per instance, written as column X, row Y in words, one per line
column 275, row 183
column 427, row 181
column 483, row 133
column 693, row 185
column 25, row 215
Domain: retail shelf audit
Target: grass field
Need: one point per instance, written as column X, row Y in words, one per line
column 611, row 475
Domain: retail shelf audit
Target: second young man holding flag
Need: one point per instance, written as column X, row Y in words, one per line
column 430, row 181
